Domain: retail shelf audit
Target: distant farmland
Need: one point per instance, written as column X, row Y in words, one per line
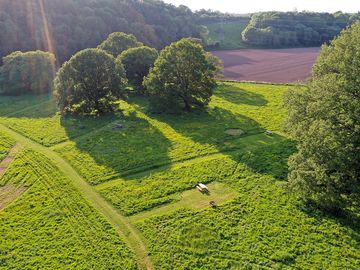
column 270, row 65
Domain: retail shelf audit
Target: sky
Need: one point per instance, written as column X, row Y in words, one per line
column 251, row 6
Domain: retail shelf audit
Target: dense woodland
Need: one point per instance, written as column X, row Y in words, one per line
column 67, row 26
column 275, row 29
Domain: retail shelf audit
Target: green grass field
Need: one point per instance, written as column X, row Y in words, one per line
column 226, row 34
column 263, row 228
column 140, row 180
column 149, row 140
column 50, row 225
column 42, row 123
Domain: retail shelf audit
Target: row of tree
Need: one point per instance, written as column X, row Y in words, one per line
column 65, row 27
column 275, row 29
column 93, row 80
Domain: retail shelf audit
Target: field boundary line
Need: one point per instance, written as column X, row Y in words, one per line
column 261, row 82
column 127, row 231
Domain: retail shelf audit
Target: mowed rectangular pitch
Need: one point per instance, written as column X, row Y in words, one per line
column 268, row 65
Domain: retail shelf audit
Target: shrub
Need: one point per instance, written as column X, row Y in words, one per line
column 27, row 73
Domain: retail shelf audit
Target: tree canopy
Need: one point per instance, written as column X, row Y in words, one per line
column 325, row 120
column 90, row 83
column 137, row 63
column 274, row 29
column 65, row 27
column 27, row 73
column 118, row 42
column 183, row 77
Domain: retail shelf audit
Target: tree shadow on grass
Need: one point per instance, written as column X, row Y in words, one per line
column 346, row 218
column 140, row 145
column 42, row 121
column 21, row 106
column 128, row 145
column 270, row 157
column 260, row 152
column 42, row 109
column 240, row 96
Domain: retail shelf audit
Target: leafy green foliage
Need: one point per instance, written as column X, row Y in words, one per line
column 325, row 120
column 52, row 226
column 274, row 29
column 137, row 63
column 90, row 83
column 6, row 143
column 118, row 42
column 182, row 76
column 224, row 35
column 66, row 27
column 27, row 73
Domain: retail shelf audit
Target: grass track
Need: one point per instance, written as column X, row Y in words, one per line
column 122, row 224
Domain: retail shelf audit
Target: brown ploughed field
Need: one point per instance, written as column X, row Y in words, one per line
column 268, row 65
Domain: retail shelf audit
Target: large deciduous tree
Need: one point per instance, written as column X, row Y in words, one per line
column 27, row 73
column 325, row 120
column 118, row 42
column 183, row 77
column 90, row 83
column 137, row 63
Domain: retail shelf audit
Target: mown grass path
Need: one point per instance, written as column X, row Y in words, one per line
column 122, row 224
column 193, row 199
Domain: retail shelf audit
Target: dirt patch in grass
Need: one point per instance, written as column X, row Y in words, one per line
column 7, row 160
column 10, row 193
column 234, row 132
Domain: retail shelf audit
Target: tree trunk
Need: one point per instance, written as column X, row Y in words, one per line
column 187, row 105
